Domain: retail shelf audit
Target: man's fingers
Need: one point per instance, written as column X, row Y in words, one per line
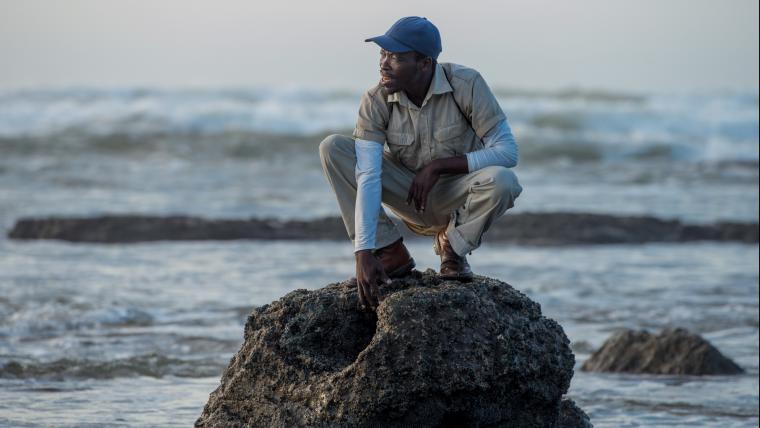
column 374, row 295
column 368, row 296
column 423, row 198
column 360, row 289
column 410, row 194
column 418, row 199
column 413, row 196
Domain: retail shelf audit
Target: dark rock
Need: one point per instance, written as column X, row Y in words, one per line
column 136, row 228
column 571, row 416
column 567, row 228
column 436, row 353
column 673, row 351
column 525, row 228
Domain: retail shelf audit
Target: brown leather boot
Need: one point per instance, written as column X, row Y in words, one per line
column 453, row 266
column 395, row 258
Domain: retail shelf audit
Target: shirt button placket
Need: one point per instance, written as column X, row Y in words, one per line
column 425, row 132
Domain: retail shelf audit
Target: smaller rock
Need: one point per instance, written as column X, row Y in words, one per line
column 673, row 351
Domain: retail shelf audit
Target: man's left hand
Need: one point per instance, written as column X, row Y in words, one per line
column 421, row 185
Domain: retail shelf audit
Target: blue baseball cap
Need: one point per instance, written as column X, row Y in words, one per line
column 411, row 33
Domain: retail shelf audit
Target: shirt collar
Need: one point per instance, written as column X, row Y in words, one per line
column 439, row 85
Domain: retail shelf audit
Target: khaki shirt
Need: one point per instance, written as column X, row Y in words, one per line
column 415, row 136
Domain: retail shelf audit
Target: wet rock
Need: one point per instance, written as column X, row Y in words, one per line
column 436, row 353
column 559, row 228
column 137, row 228
column 568, row 228
column 673, row 351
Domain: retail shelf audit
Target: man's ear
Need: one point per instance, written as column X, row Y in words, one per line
column 425, row 63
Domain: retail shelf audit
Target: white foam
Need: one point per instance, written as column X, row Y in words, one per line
column 699, row 127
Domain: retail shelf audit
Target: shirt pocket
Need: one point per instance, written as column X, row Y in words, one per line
column 400, row 145
column 451, row 139
column 399, row 138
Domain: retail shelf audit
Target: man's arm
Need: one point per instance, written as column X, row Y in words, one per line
column 490, row 123
column 369, row 135
column 369, row 270
column 500, row 149
column 369, row 157
column 487, row 119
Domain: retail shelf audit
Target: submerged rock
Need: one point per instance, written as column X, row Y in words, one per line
column 673, row 351
column 436, row 353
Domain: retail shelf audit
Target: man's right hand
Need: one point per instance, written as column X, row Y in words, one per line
column 369, row 274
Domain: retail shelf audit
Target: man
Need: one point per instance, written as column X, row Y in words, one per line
column 444, row 170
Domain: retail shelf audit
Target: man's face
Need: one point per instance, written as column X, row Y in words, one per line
column 398, row 70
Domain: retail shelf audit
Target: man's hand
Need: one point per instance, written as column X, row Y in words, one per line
column 421, row 185
column 425, row 179
column 369, row 273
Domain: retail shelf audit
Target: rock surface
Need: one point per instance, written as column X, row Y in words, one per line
column 436, row 353
column 673, row 351
column 559, row 228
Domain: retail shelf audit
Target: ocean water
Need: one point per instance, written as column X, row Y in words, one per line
column 223, row 152
column 137, row 335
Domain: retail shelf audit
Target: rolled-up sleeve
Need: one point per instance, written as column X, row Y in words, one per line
column 485, row 111
column 373, row 118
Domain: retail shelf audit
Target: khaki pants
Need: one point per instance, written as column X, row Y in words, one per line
column 464, row 204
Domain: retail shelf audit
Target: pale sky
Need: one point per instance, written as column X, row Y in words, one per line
column 626, row 45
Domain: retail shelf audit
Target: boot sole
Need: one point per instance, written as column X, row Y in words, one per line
column 461, row 278
column 403, row 270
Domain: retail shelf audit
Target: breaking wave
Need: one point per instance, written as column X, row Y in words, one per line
column 151, row 365
column 572, row 125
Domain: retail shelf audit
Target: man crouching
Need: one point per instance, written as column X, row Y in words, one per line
column 445, row 167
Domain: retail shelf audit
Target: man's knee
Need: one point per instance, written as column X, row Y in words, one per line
column 505, row 181
column 332, row 144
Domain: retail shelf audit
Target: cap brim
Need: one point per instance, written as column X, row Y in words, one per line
column 389, row 44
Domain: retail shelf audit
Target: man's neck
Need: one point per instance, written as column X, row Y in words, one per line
column 417, row 95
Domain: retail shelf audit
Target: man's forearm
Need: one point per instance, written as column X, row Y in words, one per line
column 369, row 155
column 500, row 149
column 453, row 165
